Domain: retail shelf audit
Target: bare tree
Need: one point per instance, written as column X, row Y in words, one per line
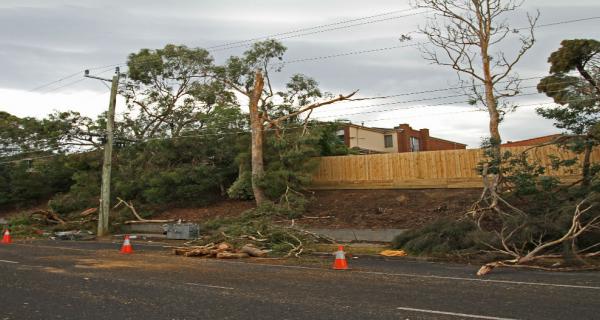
column 465, row 35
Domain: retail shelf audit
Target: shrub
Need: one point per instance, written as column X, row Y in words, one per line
column 242, row 187
column 442, row 237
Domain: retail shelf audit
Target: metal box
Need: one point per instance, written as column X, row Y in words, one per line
column 183, row 231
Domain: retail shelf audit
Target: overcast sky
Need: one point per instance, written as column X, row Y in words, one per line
column 43, row 41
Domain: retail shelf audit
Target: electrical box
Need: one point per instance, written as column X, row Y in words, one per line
column 183, row 231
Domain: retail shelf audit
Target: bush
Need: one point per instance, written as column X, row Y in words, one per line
column 442, row 237
column 23, row 183
column 20, row 219
column 69, row 203
column 242, row 187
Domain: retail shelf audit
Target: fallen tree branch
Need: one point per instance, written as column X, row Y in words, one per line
column 488, row 267
column 88, row 212
column 49, row 216
column 130, row 206
column 137, row 216
column 526, row 259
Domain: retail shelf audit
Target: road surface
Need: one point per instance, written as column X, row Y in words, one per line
column 91, row 280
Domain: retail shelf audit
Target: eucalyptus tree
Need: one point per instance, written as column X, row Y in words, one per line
column 250, row 76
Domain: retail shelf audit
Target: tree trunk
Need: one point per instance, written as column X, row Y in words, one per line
column 490, row 99
column 586, row 174
column 258, row 170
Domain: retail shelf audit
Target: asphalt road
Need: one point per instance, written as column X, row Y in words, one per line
column 90, row 280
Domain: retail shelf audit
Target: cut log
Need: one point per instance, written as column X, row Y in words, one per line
column 197, row 252
column 253, row 251
column 88, row 212
column 194, row 251
column 224, row 246
column 232, row 255
column 485, row 269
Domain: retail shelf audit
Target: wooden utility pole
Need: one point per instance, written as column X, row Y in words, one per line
column 108, row 147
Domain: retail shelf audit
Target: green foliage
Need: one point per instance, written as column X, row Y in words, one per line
column 190, row 171
column 443, row 237
column 20, row 219
column 181, row 140
column 573, row 54
column 526, row 177
column 573, row 84
column 241, row 189
column 25, row 183
column 170, row 93
column 240, row 71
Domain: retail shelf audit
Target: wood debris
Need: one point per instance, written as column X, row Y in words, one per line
column 88, row 212
column 393, row 253
column 221, row 250
column 48, row 216
column 136, row 214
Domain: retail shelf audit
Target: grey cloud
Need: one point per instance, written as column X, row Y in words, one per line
column 42, row 41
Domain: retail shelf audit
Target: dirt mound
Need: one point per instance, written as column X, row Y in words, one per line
column 377, row 209
column 225, row 208
column 401, row 209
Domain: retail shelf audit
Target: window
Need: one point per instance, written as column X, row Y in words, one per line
column 388, row 141
column 340, row 134
column 414, row 144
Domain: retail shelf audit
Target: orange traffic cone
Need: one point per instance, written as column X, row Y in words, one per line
column 6, row 237
column 340, row 262
column 126, row 248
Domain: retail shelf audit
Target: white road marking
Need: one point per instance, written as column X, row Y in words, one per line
column 209, row 286
column 462, row 315
column 485, row 280
column 53, row 247
column 8, row 261
column 414, row 275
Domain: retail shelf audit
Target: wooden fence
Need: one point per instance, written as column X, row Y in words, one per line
column 430, row 169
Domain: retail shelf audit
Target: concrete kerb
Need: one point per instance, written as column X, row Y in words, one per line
column 364, row 235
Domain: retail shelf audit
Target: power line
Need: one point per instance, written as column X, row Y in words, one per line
column 308, row 29
column 327, row 30
column 437, row 90
column 30, row 159
column 320, row 57
column 435, row 98
column 292, row 127
column 56, row 81
column 65, row 78
column 351, row 53
column 560, row 23
column 63, row 86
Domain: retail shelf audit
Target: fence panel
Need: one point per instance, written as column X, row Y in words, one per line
column 430, row 169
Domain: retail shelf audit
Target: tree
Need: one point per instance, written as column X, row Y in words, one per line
column 468, row 33
column 249, row 75
column 57, row 133
column 170, row 92
column 574, row 83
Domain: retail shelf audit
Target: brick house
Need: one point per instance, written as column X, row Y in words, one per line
column 531, row 142
column 402, row 138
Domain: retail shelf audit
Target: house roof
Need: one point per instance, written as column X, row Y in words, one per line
column 391, row 130
column 531, row 141
column 449, row 141
column 375, row 129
